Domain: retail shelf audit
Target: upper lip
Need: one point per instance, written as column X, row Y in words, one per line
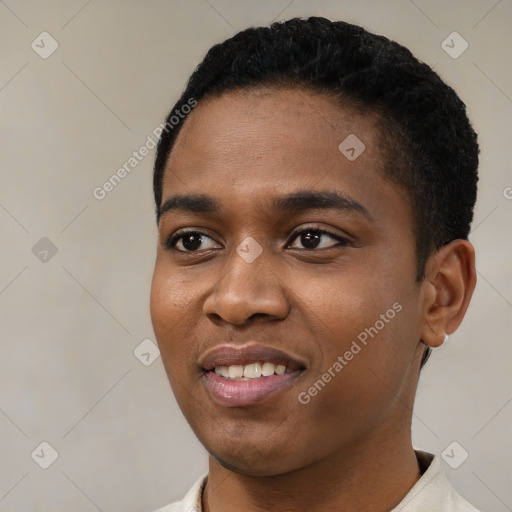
column 250, row 352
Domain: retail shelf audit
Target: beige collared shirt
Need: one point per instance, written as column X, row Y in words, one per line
column 431, row 493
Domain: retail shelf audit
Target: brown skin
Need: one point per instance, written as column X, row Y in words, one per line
column 350, row 447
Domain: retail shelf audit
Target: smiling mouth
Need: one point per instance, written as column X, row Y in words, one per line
column 238, row 376
column 246, row 391
column 251, row 371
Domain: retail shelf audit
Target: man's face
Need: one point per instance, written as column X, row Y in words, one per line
column 287, row 284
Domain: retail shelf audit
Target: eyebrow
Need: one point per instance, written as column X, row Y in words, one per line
column 300, row 201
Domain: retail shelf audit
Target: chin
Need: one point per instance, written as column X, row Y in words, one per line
column 245, row 458
column 244, row 467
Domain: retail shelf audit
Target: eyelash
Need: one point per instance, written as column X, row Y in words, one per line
column 170, row 244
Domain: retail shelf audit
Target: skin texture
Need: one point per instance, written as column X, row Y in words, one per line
column 351, row 444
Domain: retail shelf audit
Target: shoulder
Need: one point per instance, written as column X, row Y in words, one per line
column 192, row 500
column 433, row 491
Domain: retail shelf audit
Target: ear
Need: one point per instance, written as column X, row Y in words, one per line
column 450, row 279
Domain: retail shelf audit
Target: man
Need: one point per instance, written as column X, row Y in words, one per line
column 315, row 186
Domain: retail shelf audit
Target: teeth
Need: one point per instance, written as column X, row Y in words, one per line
column 268, row 369
column 236, row 371
column 222, row 370
column 280, row 369
column 251, row 371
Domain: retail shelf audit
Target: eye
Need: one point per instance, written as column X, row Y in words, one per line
column 311, row 238
column 187, row 241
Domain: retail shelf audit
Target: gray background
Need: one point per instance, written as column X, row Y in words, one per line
column 70, row 321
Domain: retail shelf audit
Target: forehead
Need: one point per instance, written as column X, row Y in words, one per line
column 283, row 122
column 252, row 144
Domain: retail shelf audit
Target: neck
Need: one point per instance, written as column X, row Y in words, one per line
column 373, row 476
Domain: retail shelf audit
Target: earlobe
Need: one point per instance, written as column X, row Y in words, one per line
column 448, row 287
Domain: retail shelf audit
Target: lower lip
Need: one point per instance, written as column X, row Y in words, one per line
column 237, row 393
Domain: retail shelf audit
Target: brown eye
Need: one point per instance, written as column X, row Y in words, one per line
column 312, row 238
column 188, row 241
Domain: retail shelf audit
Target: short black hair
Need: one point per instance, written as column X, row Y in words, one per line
column 431, row 148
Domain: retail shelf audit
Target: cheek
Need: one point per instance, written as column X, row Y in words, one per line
column 168, row 298
column 373, row 323
column 160, row 303
column 169, row 308
column 340, row 305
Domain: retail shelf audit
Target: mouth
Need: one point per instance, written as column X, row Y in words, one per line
column 251, row 371
column 238, row 376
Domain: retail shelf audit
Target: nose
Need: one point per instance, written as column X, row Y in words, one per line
column 245, row 291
